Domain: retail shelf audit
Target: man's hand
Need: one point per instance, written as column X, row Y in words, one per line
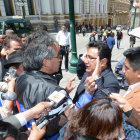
column 11, row 85
column 41, row 108
column 97, row 71
column 69, row 88
column 121, row 101
column 68, row 112
column 35, row 133
column 83, row 57
column 90, row 86
column 37, row 111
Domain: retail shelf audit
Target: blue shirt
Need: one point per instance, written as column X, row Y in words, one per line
column 110, row 42
column 131, row 133
column 84, row 99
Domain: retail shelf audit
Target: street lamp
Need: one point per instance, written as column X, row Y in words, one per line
column 73, row 60
column 135, row 8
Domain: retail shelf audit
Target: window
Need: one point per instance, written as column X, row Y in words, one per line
column 21, row 26
column 16, row 26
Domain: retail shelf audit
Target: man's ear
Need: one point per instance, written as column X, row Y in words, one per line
column 138, row 72
column 45, row 61
column 104, row 62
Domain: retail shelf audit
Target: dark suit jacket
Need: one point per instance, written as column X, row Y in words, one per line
column 107, row 81
column 13, row 120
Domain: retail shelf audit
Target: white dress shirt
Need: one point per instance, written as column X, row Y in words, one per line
column 21, row 119
column 63, row 38
column 130, row 88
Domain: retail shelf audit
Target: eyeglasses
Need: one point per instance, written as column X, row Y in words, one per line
column 89, row 58
column 58, row 57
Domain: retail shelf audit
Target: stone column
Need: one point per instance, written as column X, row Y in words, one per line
column 81, row 7
column 91, row 7
column 66, row 6
column 52, row 6
column 58, row 7
column 3, row 12
column 97, row 6
column 86, row 6
column 106, row 6
column 45, row 7
column 77, row 6
column 102, row 4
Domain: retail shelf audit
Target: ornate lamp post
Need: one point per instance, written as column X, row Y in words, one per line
column 135, row 10
column 73, row 60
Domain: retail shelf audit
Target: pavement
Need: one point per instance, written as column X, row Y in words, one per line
column 81, row 43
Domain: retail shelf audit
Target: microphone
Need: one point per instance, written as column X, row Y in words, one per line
column 57, row 96
column 8, row 96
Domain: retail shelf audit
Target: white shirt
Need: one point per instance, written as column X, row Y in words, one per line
column 21, row 119
column 63, row 38
column 131, row 87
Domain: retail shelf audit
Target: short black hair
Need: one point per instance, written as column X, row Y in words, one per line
column 133, row 55
column 24, row 35
column 41, row 27
column 103, row 50
column 6, row 129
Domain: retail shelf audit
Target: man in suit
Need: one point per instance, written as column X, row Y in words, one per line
column 128, row 110
column 105, row 79
column 131, row 72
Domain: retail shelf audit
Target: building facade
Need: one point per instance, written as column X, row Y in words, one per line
column 119, row 12
column 56, row 12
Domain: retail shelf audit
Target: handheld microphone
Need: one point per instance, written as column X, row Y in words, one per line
column 9, row 96
column 56, row 97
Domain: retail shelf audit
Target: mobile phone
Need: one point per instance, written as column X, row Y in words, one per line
column 106, row 92
column 11, row 73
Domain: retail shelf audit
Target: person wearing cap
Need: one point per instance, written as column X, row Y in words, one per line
column 11, row 44
column 14, row 62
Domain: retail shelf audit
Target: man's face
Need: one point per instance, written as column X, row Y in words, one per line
column 63, row 28
column 18, row 69
column 14, row 45
column 94, row 33
column 54, row 63
column 2, row 37
column 23, row 39
column 90, row 61
column 130, row 75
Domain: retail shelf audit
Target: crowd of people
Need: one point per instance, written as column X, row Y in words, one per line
column 33, row 106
